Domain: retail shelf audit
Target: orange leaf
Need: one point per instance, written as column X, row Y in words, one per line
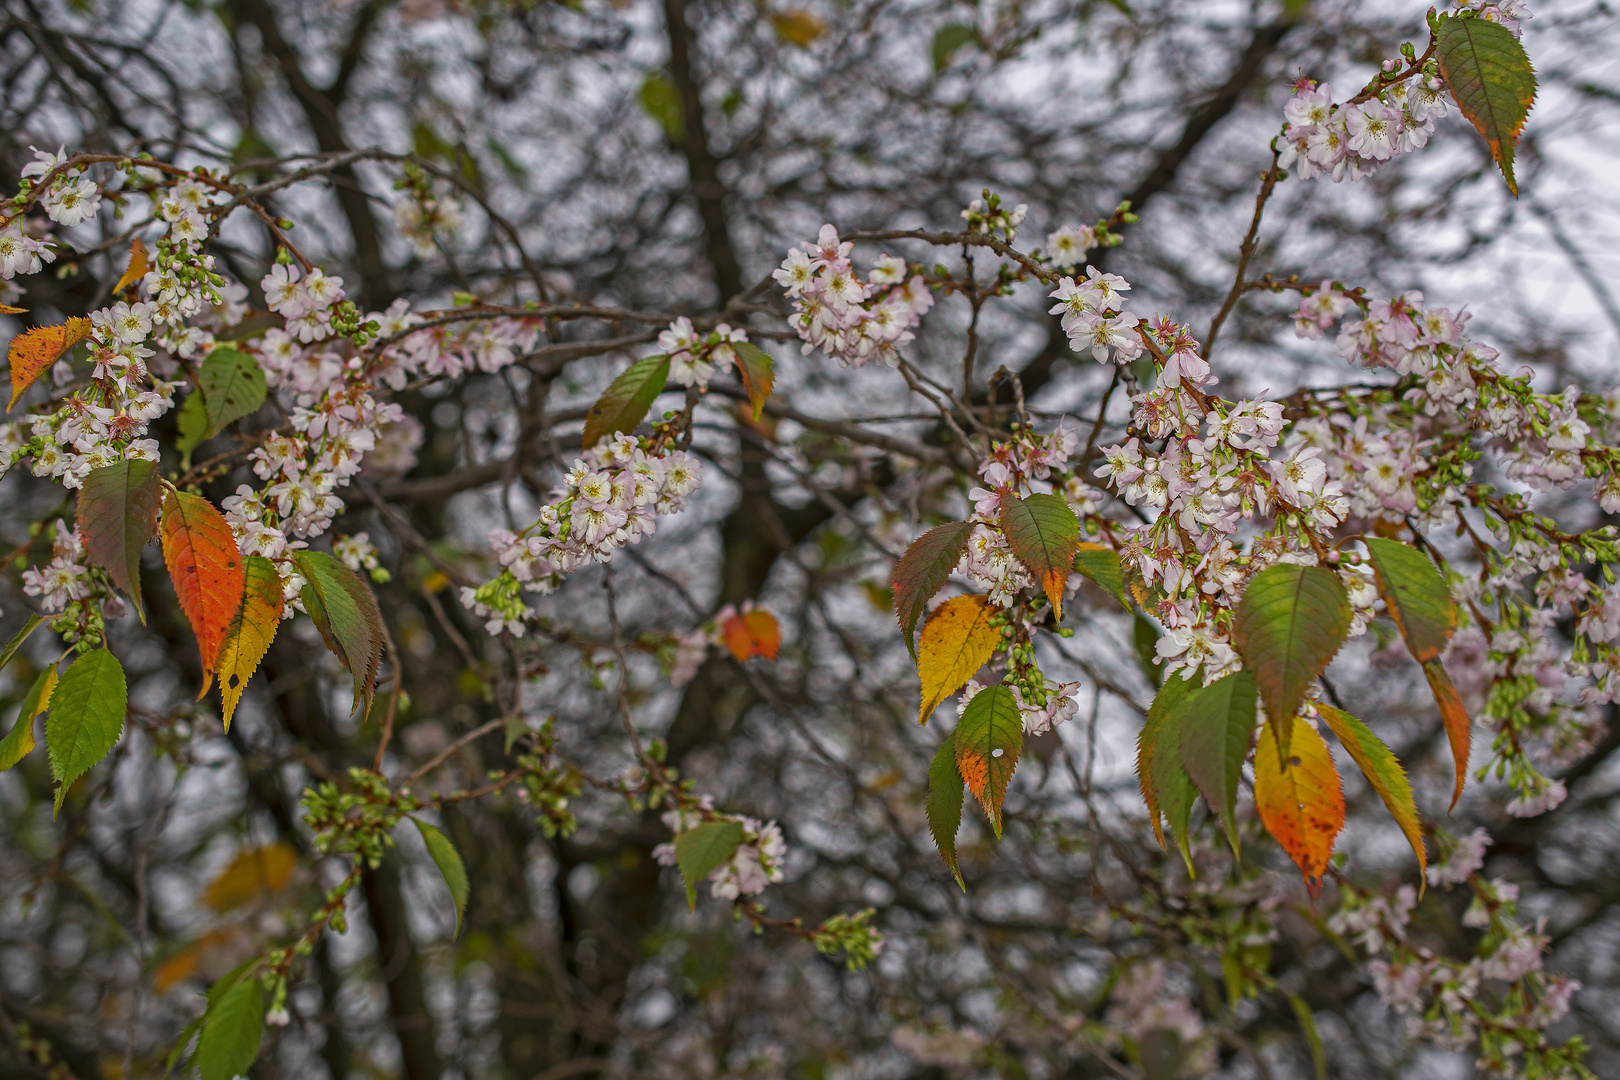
column 181, row 966
column 251, row 632
column 956, row 643
column 250, row 874
column 34, row 350
column 753, row 633
column 206, row 568
column 7, row 309
column 1300, row 800
column 136, row 269
column 1459, row 729
column 198, row 958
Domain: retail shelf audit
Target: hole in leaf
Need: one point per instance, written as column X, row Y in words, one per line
column 995, row 753
column 235, row 681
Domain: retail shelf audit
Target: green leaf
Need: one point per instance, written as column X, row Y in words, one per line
column 988, row 742
column 345, row 612
column 233, row 386
column 86, row 718
column 19, row 741
column 923, row 570
column 1291, row 621
column 22, row 635
column 1166, row 787
column 699, row 851
column 1307, row 1024
column 624, row 403
column 232, row 1030
column 450, row 866
column 1217, row 724
column 192, row 421
column 1416, row 596
column 1044, row 533
column 662, row 101
column 945, row 793
column 1489, row 75
column 1383, row 771
column 949, row 39
column 1101, row 564
column 178, row 1051
column 757, row 370
column 118, row 516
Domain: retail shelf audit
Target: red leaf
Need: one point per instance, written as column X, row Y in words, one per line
column 753, row 633
column 1459, row 729
column 35, row 350
column 206, row 568
column 118, row 509
column 923, row 570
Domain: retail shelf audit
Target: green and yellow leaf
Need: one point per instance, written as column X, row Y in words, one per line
column 1416, row 595
column 1383, row 771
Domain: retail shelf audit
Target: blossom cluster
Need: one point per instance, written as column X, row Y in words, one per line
column 1091, row 320
column 1351, row 140
column 1394, row 115
column 1223, row 467
column 757, row 862
column 183, row 300
column 65, row 579
column 1445, row 1001
column 1414, row 457
column 610, row 497
column 1146, row 999
column 693, row 357
column 853, row 321
column 424, row 214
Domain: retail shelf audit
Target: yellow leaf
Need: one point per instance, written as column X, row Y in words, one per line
column 798, row 27
column 32, row 351
column 136, row 269
column 250, row 874
column 955, row 644
column 7, row 309
column 250, row 634
column 1300, row 800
